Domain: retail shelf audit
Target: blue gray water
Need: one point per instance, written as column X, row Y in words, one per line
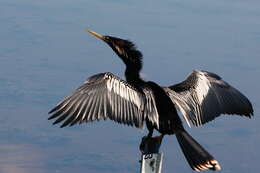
column 45, row 54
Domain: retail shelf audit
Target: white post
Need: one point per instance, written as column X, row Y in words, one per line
column 151, row 163
column 151, row 158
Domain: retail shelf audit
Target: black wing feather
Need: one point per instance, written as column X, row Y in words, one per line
column 105, row 96
column 203, row 96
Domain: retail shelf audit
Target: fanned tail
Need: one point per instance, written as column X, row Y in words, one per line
column 198, row 158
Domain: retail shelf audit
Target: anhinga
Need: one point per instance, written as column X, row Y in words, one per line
column 200, row 98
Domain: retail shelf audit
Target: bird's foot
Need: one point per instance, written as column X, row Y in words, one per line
column 150, row 144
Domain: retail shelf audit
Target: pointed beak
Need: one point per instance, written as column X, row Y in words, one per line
column 96, row 34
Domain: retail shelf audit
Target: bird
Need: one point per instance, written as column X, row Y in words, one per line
column 200, row 98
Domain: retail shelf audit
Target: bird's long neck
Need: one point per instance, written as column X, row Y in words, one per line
column 132, row 75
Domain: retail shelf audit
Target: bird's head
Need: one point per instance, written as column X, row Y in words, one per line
column 125, row 49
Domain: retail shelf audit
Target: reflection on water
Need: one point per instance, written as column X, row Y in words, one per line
column 20, row 158
column 45, row 54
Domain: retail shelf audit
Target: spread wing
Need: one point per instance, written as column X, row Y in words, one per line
column 105, row 96
column 203, row 96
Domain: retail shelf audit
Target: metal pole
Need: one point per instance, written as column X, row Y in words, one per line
column 151, row 160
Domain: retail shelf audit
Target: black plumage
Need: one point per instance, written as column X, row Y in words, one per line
column 200, row 98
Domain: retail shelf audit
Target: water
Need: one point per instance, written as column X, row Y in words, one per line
column 45, row 54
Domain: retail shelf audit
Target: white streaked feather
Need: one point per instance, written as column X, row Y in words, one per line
column 106, row 96
column 203, row 96
column 203, row 86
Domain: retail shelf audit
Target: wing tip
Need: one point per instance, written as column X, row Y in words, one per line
column 63, row 125
column 51, row 117
column 56, row 122
column 52, row 110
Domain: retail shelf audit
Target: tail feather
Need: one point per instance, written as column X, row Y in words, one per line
column 198, row 158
